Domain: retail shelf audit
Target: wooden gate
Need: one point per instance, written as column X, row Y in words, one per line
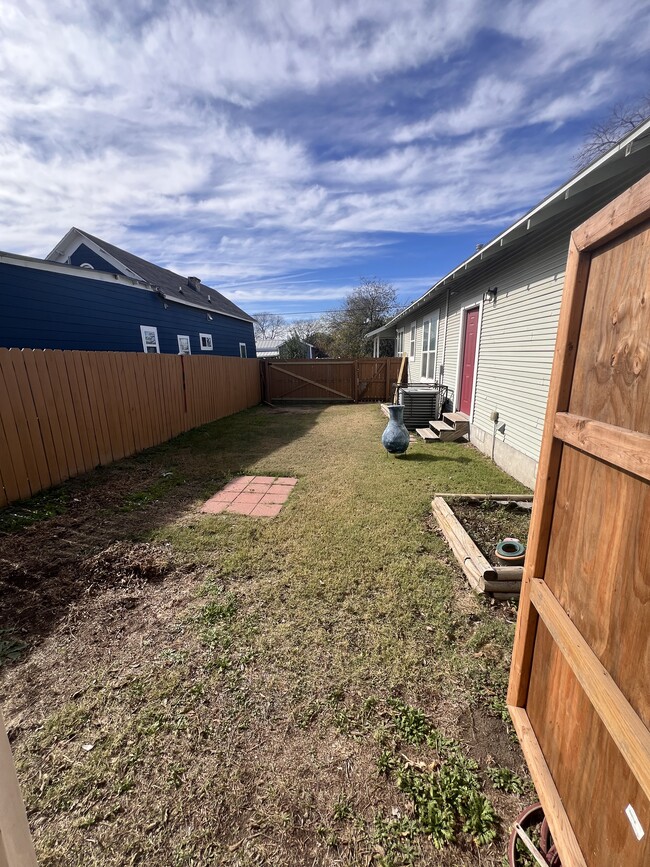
column 332, row 380
column 579, row 694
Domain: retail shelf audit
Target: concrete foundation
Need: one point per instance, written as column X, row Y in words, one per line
column 515, row 463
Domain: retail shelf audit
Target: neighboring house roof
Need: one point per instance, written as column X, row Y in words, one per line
column 271, row 348
column 553, row 206
column 173, row 286
column 268, row 348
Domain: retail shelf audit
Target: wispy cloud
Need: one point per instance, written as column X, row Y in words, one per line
column 249, row 140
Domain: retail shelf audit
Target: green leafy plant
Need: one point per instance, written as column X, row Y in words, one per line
column 506, row 780
column 342, row 808
column 11, row 648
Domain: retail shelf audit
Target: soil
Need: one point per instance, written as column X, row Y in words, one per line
column 490, row 521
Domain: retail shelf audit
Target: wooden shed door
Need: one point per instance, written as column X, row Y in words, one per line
column 469, row 361
column 579, row 692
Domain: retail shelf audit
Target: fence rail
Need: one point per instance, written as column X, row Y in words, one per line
column 63, row 413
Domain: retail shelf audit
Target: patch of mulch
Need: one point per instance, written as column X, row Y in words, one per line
column 489, row 521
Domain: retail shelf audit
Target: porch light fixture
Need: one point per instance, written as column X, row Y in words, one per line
column 490, row 294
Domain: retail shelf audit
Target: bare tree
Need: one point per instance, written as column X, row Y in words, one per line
column 623, row 118
column 269, row 325
column 367, row 307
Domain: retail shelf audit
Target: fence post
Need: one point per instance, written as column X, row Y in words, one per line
column 356, row 380
column 16, row 847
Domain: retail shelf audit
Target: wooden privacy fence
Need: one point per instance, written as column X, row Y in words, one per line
column 65, row 412
column 579, row 696
column 356, row 380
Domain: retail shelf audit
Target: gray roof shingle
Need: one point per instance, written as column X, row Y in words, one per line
column 174, row 286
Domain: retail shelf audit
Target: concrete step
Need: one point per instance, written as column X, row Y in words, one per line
column 426, row 434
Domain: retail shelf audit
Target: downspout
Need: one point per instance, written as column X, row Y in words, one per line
column 444, row 347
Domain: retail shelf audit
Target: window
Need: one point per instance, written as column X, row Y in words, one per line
column 184, row 344
column 414, row 331
column 429, row 340
column 206, row 341
column 399, row 342
column 243, row 353
column 149, row 338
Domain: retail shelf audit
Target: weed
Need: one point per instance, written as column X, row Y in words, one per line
column 411, row 723
column 11, row 648
column 446, row 797
column 47, row 504
column 396, row 839
column 342, row 808
column 506, row 780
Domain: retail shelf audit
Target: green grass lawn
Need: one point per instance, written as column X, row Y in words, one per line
column 317, row 688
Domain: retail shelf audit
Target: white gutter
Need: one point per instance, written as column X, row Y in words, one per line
column 625, row 144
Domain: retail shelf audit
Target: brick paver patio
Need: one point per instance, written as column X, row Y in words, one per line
column 260, row 496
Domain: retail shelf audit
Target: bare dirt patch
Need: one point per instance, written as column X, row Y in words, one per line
column 201, row 690
column 490, row 521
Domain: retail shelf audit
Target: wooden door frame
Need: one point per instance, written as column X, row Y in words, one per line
column 461, row 348
column 628, row 732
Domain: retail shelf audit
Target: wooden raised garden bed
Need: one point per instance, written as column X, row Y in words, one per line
column 501, row 582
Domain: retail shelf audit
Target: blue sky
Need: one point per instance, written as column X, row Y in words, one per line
column 283, row 149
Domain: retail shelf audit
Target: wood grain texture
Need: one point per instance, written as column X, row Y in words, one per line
column 621, row 215
column 581, row 670
column 625, row 727
column 577, row 273
column 16, row 847
column 64, row 413
column 553, row 807
column 612, row 370
column 599, row 567
column 593, row 780
column 628, row 450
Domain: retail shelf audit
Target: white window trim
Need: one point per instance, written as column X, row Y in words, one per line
column 180, row 337
column 399, row 342
column 413, row 341
column 424, row 352
column 461, row 348
column 209, row 348
column 245, row 355
column 153, row 328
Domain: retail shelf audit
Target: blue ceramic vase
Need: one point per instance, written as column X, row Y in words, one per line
column 395, row 438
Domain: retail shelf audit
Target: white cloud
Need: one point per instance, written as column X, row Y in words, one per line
column 174, row 128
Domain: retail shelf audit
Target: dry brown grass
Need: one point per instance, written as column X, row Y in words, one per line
column 203, row 690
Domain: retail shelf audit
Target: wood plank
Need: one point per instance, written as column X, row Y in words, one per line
column 554, row 812
column 47, row 379
column 12, row 437
column 42, row 414
column 592, row 777
column 16, row 845
column 577, row 274
column 625, row 212
column 313, row 382
column 65, row 410
column 24, row 394
column 77, row 359
column 98, row 406
column 612, row 367
column 628, row 450
column 626, row 729
column 470, row 559
column 77, row 393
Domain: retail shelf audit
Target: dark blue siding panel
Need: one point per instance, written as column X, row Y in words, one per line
column 48, row 310
column 85, row 254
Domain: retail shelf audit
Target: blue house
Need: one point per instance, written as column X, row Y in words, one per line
column 88, row 294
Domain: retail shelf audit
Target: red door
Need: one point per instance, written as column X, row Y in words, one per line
column 469, row 360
